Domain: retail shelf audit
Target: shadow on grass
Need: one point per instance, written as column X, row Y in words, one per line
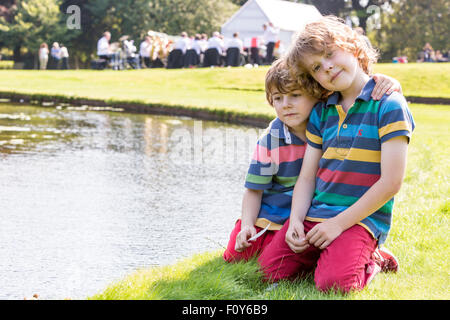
column 217, row 280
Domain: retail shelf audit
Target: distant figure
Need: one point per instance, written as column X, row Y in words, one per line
column 204, row 42
column 270, row 38
column 144, row 52
column 361, row 33
column 183, row 43
column 64, row 53
column 104, row 50
column 192, row 56
column 440, row 57
column 214, row 52
column 254, row 51
column 131, row 57
column 428, row 52
column 235, row 50
column 236, row 42
column 43, row 56
column 203, row 45
column 55, row 56
column 176, row 56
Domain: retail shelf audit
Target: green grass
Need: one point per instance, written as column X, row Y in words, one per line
column 419, row 237
column 238, row 90
column 420, row 79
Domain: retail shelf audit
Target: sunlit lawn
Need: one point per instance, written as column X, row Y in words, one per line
column 419, row 237
column 238, row 90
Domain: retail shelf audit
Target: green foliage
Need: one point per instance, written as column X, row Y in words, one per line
column 411, row 24
column 34, row 22
column 192, row 16
column 343, row 8
column 6, row 64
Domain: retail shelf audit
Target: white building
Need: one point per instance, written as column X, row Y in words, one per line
column 289, row 17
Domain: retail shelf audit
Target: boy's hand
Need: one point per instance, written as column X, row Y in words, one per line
column 322, row 234
column 295, row 237
column 241, row 239
column 384, row 85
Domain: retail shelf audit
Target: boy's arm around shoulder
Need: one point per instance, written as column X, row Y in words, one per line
column 394, row 117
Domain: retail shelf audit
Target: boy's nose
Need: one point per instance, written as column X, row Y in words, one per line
column 286, row 102
column 327, row 65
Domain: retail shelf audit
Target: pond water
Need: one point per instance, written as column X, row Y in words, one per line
column 89, row 196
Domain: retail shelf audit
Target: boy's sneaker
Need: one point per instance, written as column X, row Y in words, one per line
column 385, row 259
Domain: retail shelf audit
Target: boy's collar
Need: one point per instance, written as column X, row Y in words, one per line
column 278, row 129
column 365, row 94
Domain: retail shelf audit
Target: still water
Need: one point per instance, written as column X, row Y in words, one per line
column 90, row 196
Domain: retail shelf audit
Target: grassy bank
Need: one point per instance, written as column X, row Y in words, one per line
column 236, row 90
column 419, row 238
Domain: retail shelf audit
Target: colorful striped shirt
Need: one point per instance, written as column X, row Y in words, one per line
column 274, row 168
column 351, row 145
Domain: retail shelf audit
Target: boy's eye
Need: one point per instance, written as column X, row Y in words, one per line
column 329, row 54
column 315, row 68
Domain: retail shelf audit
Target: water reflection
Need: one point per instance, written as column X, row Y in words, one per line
column 87, row 197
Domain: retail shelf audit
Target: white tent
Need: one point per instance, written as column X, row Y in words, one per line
column 289, row 17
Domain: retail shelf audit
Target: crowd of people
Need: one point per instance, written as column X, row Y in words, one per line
column 158, row 50
column 55, row 58
column 428, row 54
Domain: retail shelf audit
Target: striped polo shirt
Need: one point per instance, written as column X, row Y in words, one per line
column 274, row 168
column 351, row 145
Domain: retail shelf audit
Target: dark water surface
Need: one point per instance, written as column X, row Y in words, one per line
column 90, row 196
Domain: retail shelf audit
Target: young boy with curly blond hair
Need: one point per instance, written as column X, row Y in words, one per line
column 353, row 165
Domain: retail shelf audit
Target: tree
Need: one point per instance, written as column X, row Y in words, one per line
column 239, row 2
column 360, row 9
column 136, row 17
column 192, row 16
column 411, row 24
column 32, row 22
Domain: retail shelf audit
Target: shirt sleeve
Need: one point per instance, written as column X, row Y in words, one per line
column 313, row 133
column 395, row 118
column 262, row 167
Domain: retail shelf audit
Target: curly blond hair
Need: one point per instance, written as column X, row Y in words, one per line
column 317, row 38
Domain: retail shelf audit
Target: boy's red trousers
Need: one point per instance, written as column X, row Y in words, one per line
column 344, row 265
column 231, row 255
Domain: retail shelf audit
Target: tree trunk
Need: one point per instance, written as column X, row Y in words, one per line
column 16, row 55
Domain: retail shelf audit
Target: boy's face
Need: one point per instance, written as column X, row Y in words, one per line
column 335, row 70
column 292, row 108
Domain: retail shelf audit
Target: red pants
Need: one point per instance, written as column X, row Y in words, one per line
column 231, row 255
column 344, row 265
